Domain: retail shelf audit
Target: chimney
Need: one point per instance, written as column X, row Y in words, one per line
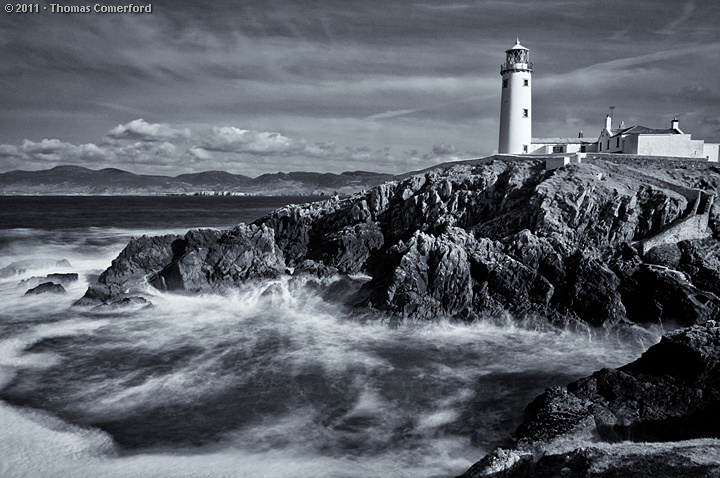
column 608, row 123
column 675, row 124
column 580, row 134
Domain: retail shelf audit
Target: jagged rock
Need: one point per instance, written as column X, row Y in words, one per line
column 591, row 291
column 140, row 258
column 479, row 238
column 47, row 288
column 697, row 459
column 349, row 249
column 426, row 278
column 556, row 412
column 498, row 462
column 209, row 258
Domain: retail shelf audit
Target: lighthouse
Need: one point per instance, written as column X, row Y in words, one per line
column 515, row 110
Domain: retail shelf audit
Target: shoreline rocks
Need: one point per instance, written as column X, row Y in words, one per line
column 484, row 238
column 670, row 394
column 477, row 239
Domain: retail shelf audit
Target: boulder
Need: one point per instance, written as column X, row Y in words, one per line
column 47, row 288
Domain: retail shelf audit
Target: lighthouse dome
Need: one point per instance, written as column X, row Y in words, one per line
column 518, row 46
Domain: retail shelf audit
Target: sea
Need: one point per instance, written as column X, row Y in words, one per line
column 267, row 380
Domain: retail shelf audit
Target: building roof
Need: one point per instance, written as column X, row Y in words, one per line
column 637, row 129
column 562, row 141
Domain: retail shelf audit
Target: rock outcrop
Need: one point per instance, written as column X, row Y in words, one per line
column 474, row 239
column 671, row 393
column 47, row 288
column 573, row 247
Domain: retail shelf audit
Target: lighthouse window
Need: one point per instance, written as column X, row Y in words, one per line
column 526, row 82
column 526, row 112
column 505, row 83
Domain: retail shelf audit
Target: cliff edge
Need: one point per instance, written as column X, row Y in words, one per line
column 477, row 239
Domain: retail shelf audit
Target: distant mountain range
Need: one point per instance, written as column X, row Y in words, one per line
column 76, row 180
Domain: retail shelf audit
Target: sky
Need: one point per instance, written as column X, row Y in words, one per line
column 253, row 87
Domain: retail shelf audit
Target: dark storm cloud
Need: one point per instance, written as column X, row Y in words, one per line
column 332, row 84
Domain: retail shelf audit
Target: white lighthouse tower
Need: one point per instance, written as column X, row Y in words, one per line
column 515, row 111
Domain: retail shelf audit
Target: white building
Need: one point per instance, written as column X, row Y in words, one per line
column 515, row 110
column 563, row 145
column 645, row 141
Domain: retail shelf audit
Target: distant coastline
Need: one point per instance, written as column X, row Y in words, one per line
column 79, row 181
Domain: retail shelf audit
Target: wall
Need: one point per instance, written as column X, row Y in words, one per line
column 711, row 151
column 560, row 161
column 630, row 144
column 679, row 145
column 605, row 136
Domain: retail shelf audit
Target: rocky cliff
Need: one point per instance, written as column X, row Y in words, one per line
column 469, row 240
column 584, row 246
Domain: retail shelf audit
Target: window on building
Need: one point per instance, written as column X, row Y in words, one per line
column 526, row 82
column 600, row 146
column 608, row 144
column 558, row 149
column 526, row 113
column 618, row 142
column 525, row 148
column 505, row 83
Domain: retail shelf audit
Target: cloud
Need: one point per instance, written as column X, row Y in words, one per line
column 200, row 154
column 48, row 153
column 443, row 149
column 439, row 152
column 229, row 139
column 140, row 130
column 56, row 150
